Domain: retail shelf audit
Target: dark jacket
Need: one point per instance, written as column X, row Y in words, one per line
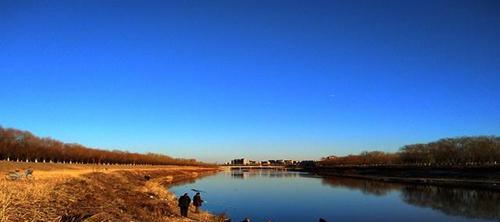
column 197, row 201
column 184, row 201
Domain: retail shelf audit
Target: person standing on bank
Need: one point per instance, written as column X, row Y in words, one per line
column 184, row 202
column 197, row 202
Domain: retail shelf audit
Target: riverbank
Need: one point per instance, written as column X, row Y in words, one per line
column 476, row 177
column 69, row 192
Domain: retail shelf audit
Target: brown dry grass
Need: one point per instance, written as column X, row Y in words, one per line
column 25, row 199
column 63, row 192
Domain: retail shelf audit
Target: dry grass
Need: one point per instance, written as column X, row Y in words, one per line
column 25, row 199
column 62, row 192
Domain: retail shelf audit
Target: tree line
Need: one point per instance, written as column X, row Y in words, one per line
column 459, row 151
column 18, row 145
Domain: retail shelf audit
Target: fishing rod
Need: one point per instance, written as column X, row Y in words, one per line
column 198, row 191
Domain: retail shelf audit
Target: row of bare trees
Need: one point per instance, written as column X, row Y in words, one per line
column 460, row 151
column 17, row 145
column 364, row 158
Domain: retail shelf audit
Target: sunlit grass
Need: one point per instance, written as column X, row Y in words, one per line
column 27, row 198
column 44, row 197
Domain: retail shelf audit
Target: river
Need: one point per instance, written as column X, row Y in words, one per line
column 276, row 195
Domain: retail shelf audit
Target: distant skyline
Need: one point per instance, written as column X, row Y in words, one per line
column 218, row 80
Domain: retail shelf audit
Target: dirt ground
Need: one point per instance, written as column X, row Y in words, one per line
column 64, row 192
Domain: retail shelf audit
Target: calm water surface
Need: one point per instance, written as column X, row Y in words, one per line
column 288, row 196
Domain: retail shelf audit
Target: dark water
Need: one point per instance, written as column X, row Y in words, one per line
column 287, row 196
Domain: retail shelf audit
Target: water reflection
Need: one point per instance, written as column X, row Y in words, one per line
column 246, row 174
column 471, row 203
column 369, row 187
column 455, row 201
column 259, row 194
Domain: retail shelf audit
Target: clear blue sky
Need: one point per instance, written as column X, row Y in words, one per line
column 216, row 80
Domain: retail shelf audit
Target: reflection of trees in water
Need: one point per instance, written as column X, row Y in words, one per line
column 184, row 181
column 366, row 186
column 188, row 180
column 471, row 203
column 244, row 174
column 280, row 174
column 455, row 201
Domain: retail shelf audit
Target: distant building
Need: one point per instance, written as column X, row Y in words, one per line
column 277, row 162
column 290, row 162
column 307, row 164
column 330, row 158
column 253, row 162
column 242, row 161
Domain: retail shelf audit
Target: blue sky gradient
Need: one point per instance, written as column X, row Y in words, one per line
column 217, row 80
